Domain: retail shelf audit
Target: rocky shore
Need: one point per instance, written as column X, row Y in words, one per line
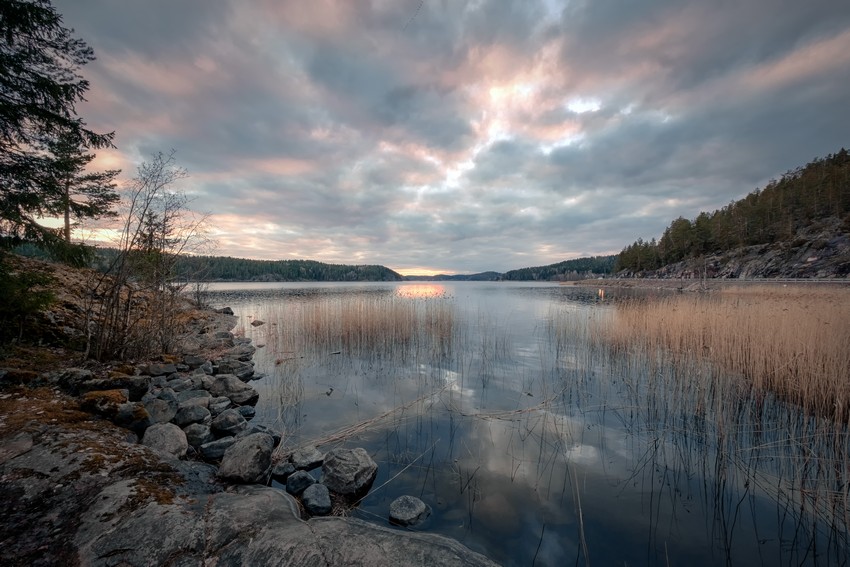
column 159, row 464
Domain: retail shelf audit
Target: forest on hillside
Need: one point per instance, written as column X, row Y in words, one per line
column 225, row 268
column 777, row 213
column 579, row 268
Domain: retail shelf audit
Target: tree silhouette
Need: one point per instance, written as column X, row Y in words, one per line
column 39, row 89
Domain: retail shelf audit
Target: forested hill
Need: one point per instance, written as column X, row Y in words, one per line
column 579, row 268
column 225, row 268
column 802, row 217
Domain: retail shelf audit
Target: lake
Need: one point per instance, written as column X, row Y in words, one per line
column 534, row 442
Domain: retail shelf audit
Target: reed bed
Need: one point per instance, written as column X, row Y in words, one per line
column 378, row 324
column 793, row 342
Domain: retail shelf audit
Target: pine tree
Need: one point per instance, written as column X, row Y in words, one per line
column 76, row 193
column 39, row 89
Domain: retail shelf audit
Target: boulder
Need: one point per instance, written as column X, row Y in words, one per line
column 317, row 500
column 161, row 410
column 225, row 311
column 214, row 450
column 248, row 412
column 307, row 458
column 133, row 416
column 238, row 391
column 194, row 398
column 228, row 423
column 191, row 414
column 166, row 438
column 240, row 369
column 298, row 481
column 198, row 434
column 408, row 511
column 248, row 460
column 241, row 352
column 349, row 471
column 219, row 404
column 282, row 471
column 193, row 361
column 179, row 384
column 262, row 429
column 157, row 369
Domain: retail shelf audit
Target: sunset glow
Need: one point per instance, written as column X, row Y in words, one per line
column 457, row 137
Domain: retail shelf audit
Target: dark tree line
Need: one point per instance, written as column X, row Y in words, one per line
column 800, row 198
column 569, row 269
column 225, row 268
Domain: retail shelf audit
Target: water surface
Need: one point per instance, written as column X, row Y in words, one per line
column 532, row 443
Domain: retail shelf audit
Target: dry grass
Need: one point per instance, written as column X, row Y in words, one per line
column 379, row 324
column 794, row 342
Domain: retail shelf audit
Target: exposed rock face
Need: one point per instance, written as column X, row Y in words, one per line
column 818, row 251
column 408, row 511
column 166, row 438
column 248, row 460
column 348, row 471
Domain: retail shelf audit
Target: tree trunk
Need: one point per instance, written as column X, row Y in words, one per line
column 67, row 198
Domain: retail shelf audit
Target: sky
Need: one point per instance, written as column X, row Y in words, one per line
column 443, row 136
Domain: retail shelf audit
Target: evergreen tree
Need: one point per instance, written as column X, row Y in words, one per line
column 76, row 193
column 39, row 88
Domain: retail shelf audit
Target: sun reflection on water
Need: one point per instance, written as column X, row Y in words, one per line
column 418, row 291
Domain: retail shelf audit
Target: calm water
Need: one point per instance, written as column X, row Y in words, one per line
column 531, row 445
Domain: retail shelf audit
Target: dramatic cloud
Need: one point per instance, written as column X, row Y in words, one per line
column 458, row 136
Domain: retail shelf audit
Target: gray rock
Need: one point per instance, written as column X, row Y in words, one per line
column 193, row 361
column 348, row 471
column 207, row 367
column 194, row 398
column 248, row 460
column 408, row 511
column 166, row 438
column 317, row 500
column 241, row 352
column 133, row 416
column 219, row 404
column 214, row 450
column 238, row 391
column 307, row 458
column 160, row 410
column 257, row 322
column 191, row 414
column 198, row 434
column 179, row 384
column 156, row 369
column 240, row 369
column 298, row 481
column 248, row 412
column 252, row 428
column 282, row 471
column 106, row 515
column 228, row 422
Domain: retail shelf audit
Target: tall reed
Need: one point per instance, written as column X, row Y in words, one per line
column 793, row 342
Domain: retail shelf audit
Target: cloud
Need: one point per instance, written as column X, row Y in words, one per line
column 464, row 136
